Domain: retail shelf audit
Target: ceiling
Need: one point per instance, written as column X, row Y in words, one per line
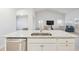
column 60, row 10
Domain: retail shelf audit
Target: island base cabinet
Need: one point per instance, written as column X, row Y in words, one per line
column 51, row 44
column 41, row 47
column 65, row 47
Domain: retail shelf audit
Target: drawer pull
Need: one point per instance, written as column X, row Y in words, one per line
column 66, row 41
column 41, row 45
column 66, row 45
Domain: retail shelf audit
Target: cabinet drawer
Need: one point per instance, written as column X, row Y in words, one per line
column 65, row 47
column 63, row 41
column 41, row 40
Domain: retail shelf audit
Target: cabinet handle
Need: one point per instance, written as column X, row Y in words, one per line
column 66, row 41
column 66, row 44
column 41, row 45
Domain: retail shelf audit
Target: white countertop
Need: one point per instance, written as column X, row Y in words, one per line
column 55, row 33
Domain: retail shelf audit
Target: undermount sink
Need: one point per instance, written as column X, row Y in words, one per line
column 41, row 34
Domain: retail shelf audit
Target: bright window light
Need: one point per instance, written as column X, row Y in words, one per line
column 59, row 22
column 40, row 21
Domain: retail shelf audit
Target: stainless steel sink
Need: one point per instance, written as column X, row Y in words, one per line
column 41, row 34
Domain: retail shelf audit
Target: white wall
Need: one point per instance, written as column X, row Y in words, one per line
column 7, row 22
column 70, row 17
column 49, row 15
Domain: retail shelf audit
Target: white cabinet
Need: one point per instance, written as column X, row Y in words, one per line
column 50, row 44
column 49, row 47
column 41, row 44
column 41, row 47
column 65, row 44
column 16, row 44
column 34, row 47
column 65, row 47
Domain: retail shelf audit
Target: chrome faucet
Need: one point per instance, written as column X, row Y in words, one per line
column 41, row 29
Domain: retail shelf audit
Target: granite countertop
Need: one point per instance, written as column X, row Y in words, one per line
column 27, row 34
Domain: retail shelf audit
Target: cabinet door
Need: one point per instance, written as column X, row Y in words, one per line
column 49, row 47
column 41, row 47
column 34, row 47
column 65, row 47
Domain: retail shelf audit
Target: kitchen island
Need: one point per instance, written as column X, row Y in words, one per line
column 53, row 40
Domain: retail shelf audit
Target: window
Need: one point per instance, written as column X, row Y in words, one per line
column 21, row 22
